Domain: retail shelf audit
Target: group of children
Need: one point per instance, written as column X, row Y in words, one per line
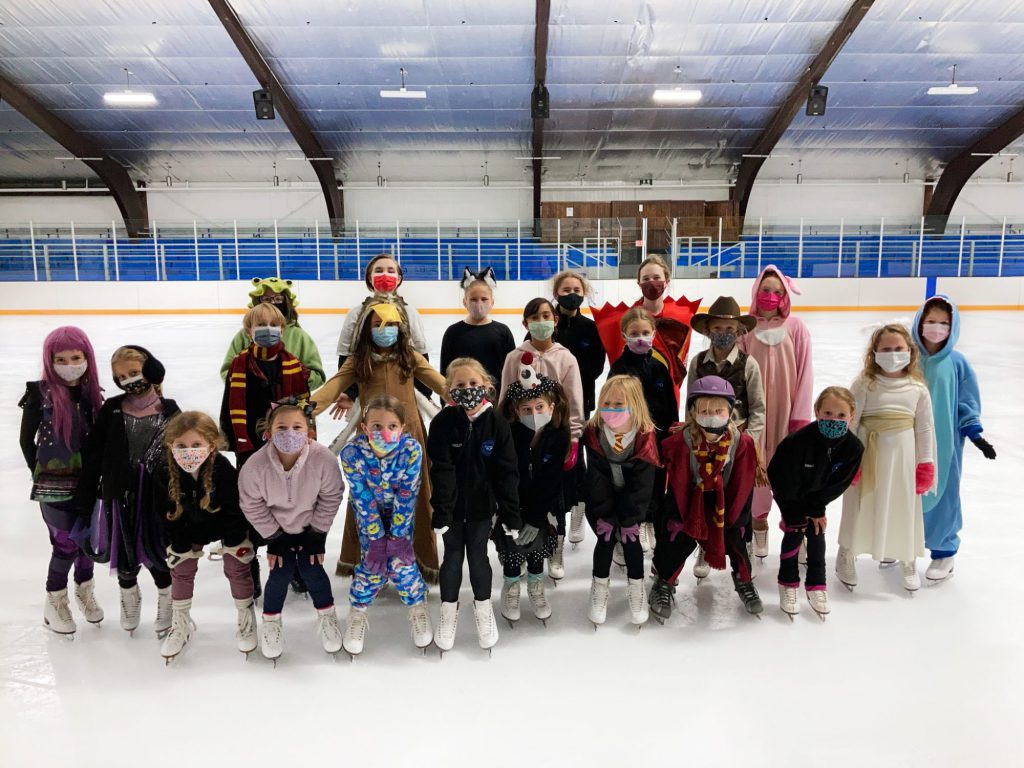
column 520, row 452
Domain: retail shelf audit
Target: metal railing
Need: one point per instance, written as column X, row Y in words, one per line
column 517, row 250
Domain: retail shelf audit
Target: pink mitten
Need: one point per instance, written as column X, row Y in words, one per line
column 574, row 452
column 924, row 477
column 675, row 527
column 629, row 533
column 604, row 530
column 856, row 478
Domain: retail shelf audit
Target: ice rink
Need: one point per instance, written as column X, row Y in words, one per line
column 887, row 680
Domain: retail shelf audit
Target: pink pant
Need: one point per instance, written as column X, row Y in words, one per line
column 239, row 575
column 762, row 502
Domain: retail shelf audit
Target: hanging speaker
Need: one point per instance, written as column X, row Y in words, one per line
column 540, row 105
column 816, row 101
column 264, row 103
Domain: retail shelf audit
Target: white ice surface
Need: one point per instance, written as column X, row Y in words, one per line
column 887, row 680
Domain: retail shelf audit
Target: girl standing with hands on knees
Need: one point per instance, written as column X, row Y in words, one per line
column 478, row 336
column 197, row 489
column 554, row 361
column 474, row 474
column 882, row 512
column 382, row 469
column 290, row 491
column 622, row 456
column 58, row 412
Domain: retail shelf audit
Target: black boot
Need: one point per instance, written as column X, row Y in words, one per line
column 254, row 569
column 748, row 594
column 661, row 599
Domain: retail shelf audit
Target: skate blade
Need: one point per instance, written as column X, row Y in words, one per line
column 790, row 616
column 511, row 624
column 821, row 616
column 884, row 565
column 659, row 619
column 936, row 582
column 70, row 634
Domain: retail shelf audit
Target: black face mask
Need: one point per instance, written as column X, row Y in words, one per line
column 137, row 387
column 570, row 301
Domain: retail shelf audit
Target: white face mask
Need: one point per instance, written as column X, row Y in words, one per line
column 890, row 362
column 71, row 372
column 710, row 421
column 536, row 421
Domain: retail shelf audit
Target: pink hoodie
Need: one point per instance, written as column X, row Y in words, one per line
column 781, row 346
column 307, row 494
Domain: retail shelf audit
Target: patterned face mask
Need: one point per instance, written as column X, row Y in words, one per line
column 639, row 345
column 71, row 372
column 191, row 459
column 722, row 339
column 541, row 329
column 832, row 429
column 134, row 385
column 384, row 441
column 289, row 441
column 468, row 397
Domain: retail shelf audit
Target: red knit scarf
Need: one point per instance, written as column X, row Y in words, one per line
column 706, row 523
column 294, row 381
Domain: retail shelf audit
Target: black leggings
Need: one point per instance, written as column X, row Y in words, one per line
column 789, row 567
column 670, row 556
column 534, row 565
column 466, row 541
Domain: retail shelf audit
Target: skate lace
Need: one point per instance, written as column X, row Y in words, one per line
column 662, row 593
column 63, row 610
column 419, row 621
column 357, row 625
column 535, row 590
column 909, row 570
column 636, row 597
column 512, row 597
column 329, row 625
column 180, row 623
column 599, row 597
column 272, row 631
column 87, row 598
column 163, row 608
column 246, row 622
column 448, row 622
column 130, row 602
column 746, row 591
column 485, row 622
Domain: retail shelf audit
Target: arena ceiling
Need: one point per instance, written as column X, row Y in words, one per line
column 476, row 60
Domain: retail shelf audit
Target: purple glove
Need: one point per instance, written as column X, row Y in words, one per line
column 675, row 527
column 376, row 560
column 402, row 550
column 629, row 533
column 604, row 530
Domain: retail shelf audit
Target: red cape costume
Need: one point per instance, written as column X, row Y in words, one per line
column 671, row 340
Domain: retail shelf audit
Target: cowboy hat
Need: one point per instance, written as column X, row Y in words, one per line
column 724, row 308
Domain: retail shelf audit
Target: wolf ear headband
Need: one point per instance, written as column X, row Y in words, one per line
column 486, row 275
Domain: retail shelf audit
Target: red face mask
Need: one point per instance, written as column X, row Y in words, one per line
column 384, row 283
column 652, row 289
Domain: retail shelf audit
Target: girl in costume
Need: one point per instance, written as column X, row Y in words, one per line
column 882, row 512
column 711, row 466
column 781, row 347
column 196, row 488
column 551, row 359
column 382, row 468
column 478, row 336
column 537, row 412
column 474, row 474
column 956, row 409
column 622, row 456
column 809, row 470
column 125, row 445
column 58, row 412
column 577, row 333
column 274, row 290
column 290, row 492
column 383, row 362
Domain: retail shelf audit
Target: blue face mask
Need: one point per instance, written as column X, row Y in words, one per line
column 832, row 429
column 385, row 336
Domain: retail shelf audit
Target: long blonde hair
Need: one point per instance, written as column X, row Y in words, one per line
column 633, row 394
column 873, row 370
column 210, row 432
column 692, row 428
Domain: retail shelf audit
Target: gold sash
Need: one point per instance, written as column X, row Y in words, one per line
column 876, row 424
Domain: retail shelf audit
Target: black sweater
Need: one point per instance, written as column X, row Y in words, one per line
column 197, row 526
column 579, row 335
column 808, row 471
column 31, row 404
column 658, row 387
column 540, row 471
column 106, row 473
column 489, row 344
column 473, row 468
column 628, row 506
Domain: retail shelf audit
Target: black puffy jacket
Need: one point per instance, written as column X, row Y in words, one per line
column 628, row 506
column 540, row 471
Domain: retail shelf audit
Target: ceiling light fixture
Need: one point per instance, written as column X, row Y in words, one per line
column 677, row 95
column 952, row 89
column 311, row 159
column 403, row 92
column 542, row 157
column 83, row 159
column 128, row 97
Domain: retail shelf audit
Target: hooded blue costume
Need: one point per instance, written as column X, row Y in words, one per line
column 956, row 407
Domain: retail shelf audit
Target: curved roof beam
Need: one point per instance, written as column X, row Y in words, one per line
column 777, row 126
column 540, row 73
column 130, row 201
column 296, row 123
column 964, row 165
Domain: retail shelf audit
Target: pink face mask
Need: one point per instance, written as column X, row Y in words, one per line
column 768, row 301
column 935, row 332
column 615, row 417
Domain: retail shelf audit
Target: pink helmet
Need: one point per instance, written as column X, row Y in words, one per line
column 710, row 386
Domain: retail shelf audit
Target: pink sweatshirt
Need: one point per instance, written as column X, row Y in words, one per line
column 781, row 346
column 557, row 363
column 307, row 494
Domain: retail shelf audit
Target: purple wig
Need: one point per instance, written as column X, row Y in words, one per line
column 60, row 339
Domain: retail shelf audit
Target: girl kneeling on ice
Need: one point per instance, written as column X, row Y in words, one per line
column 622, row 457
column 956, row 409
column 538, row 413
column 382, row 468
column 810, row 469
column 882, row 512
column 197, row 488
column 474, row 476
column 711, row 466
column 290, row 491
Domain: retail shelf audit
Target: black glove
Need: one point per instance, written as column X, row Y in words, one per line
column 984, row 446
column 315, row 541
column 283, row 543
